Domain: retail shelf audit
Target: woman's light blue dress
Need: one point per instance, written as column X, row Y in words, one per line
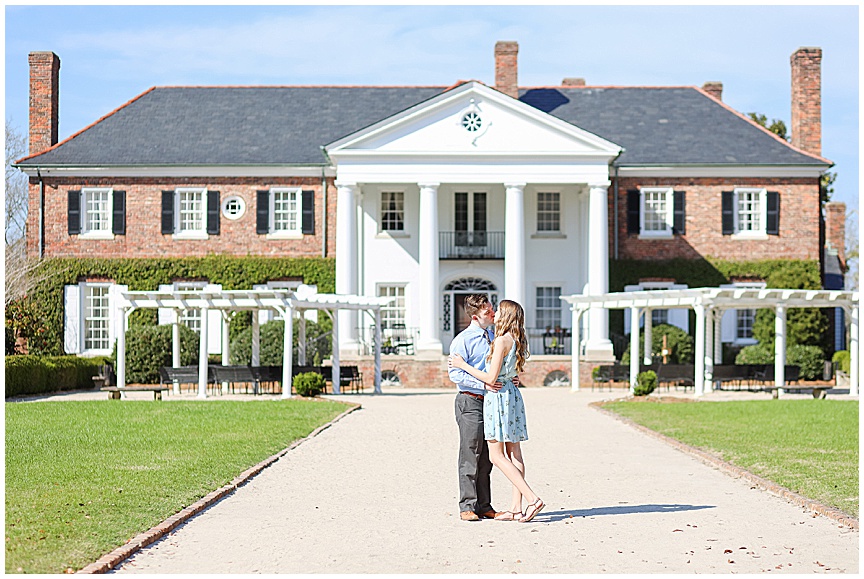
column 504, row 411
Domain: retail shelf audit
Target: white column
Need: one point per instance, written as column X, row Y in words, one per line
column 514, row 243
column 121, row 350
column 256, row 339
column 709, row 349
column 853, row 350
column 634, row 347
column 574, row 342
column 599, row 347
column 377, row 385
column 699, row 373
column 202, row 354
column 648, row 343
column 301, row 338
column 780, row 348
column 226, row 354
column 346, row 260
column 429, row 342
column 335, row 357
column 287, row 351
column 175, row 348
column 718, row 337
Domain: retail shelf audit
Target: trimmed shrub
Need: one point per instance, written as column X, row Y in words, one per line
column 809, row 359
column 843, row 360
column 646, row 383
column 41, row 374
column 318, row 344
column 149, row 347
column 679, row 343
column 308, row 384
column 756, row 354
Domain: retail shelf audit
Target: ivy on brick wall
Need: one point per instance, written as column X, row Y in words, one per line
column 806, row 326
column 46, row 300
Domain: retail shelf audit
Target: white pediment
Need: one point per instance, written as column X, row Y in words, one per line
column 475, row 121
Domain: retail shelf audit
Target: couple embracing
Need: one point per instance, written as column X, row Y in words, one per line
column 489, row 409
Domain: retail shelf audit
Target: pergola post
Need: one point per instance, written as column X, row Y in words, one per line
column 377, row 351
column 718, row 336
column 256, row 339
column 853, row 351
column 647, row 358
column 575, row 342
column 202, row 353
column 121, row 350
column 780, row 348
column 301, row 338
column 175, row 348
column 709, row 349
column 225, row 346
column 634, row 347
column 287, row 352
column 699, row 373
column 336, row 379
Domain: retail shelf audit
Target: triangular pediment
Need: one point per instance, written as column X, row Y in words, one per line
column 473, row 120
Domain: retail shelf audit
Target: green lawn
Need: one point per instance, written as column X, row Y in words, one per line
column 807, row 446
column 82, row 478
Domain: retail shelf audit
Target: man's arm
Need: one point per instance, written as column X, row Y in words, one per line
column 459, row 376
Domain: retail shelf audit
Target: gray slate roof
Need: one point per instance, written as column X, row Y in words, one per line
column 176, row 126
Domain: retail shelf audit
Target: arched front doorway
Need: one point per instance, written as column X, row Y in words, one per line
column 455, row 319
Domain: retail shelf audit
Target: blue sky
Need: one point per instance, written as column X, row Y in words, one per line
column 110, row 54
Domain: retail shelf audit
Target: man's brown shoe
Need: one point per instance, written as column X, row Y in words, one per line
column 469, row 516
column 490, row 514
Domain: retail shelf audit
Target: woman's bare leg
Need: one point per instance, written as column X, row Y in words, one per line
column 496, row 455
column 514, row 453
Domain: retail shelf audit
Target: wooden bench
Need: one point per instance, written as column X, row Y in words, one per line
column 115, row 391
column 819, row 392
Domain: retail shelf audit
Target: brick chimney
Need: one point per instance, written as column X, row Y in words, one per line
column 506, row 67
column 44, row 100
column 715, row 89
column 573, row 81
column 835, row 229
column 807, row 99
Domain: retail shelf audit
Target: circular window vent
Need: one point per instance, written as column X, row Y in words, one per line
column 390, row 378
column 233, row 207
column 472, row 122
column 557, row 378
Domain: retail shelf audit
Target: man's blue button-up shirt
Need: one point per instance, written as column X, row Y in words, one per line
column 471, row 344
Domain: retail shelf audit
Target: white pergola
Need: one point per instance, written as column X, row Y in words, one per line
column 284, row 301
column 709, row 305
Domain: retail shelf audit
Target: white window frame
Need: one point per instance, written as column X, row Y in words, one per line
column 669, row 221
column 549, row 232
column 760, row 232
column 396, row 312
column 383, row 210
column 682, row 320
column 537, row 309
column 297, row 232
column 180, row 233
column 733, row 319
column 108, row 212
column 193, row 314
column 86, row 288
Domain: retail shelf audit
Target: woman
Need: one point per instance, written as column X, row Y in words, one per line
column 503, row 411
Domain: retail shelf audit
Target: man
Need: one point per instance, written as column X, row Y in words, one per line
column 472, row 343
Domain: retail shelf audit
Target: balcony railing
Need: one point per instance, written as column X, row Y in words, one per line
column 550, row 342
column 471, row 244
column 394, row 340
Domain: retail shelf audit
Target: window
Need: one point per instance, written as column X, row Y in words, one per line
column 286, row 213
column 677, row 317
column 659, row 317
column 190, row 213
column 749, row 212
column 191, row 318
column 97, row 317
column 97, row 213
column 233, row 207
column 549, row 211
column 394, row 312
column 656, row 212
column 392, row 211
column 745, row 319
column 548, row 307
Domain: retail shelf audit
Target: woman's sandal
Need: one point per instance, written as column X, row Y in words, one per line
column 532, row 510
column 508, row 516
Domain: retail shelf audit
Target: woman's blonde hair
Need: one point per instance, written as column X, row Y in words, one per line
column 511, row 320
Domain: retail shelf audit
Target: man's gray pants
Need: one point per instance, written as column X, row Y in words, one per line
column 475, row 492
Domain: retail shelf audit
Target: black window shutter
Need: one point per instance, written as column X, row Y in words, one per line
column 728, row 215
column 633, row 203
column 213, row 212
column 309, row 212
column 167, row 212
column 74, row 212
column 263, row 213
column 118, row 223
column 680, row 213
column 772, row 221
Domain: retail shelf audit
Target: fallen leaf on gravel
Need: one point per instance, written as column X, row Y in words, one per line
column 731, row 561
column 727, row 550
column 678, row 531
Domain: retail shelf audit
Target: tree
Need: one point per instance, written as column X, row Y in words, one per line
column 16, row 186
column 852, row 250
column 777, row 126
